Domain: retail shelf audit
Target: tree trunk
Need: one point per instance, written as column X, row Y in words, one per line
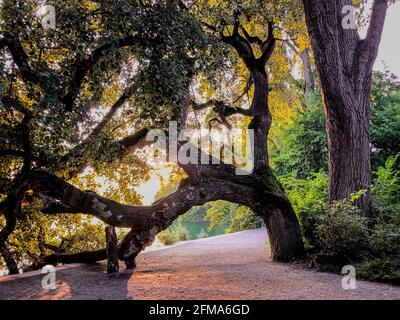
column 344, row 64
column 112, row 250
column 284, row 234
column 349, row 149
column 9, row 260
column 282, row 225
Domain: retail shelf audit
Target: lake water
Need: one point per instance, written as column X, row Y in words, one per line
column 195, row 228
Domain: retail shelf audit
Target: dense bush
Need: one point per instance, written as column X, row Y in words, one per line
column 308, row 197
column 385, row 117
column 244, row 219
column 342, row 233
column 300, row 148
column 167, row 237
column 173, row 234
column 337, row 235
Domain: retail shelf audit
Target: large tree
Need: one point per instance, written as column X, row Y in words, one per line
column 344, row 62
column 72, row 97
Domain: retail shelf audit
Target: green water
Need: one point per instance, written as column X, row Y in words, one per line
column 195, row 228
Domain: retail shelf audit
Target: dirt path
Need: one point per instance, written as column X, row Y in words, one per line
column 232, row 266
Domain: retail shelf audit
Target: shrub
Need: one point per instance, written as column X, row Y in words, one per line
column 167, row 237
column 173, row 234
column 308, row 197
column 181, row 233
column 383, row 260
column 339, row 235
column 386, row 185
column 342, row 233
column 244, row 219
column 386, row 270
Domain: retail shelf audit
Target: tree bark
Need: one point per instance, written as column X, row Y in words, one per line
column 11, row 264
column 344, row 64
column 349, row 149
column 112, row 250
column 80, row 257
column 284, row 234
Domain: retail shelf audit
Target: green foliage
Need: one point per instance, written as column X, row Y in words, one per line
column 220, row 212
column 300, row 148
column 336, row 235
column 237, row 217
column 342, row 232
column 244, row 219
column 386, row 186
column 385, row 117
column 182, row 233
column 167, row 237
column 196, row 214
column 309, row 193
column 308, row 197
column 73, row 233
column 170, row 48
column 383, row 259
column 173, row 234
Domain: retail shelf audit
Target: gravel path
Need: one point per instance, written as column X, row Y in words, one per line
column 234, row 266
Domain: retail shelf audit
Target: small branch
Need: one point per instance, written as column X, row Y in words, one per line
column 222, row 108
column 12, row 153
column 83, row 67
column 78, row 149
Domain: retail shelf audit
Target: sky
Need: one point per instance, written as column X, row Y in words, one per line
column 389, row 50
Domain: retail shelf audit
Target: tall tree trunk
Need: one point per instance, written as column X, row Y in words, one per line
column 344, row 64
column 349, row 148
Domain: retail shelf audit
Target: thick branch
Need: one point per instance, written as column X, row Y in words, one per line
column 268, row 45
column 251, row 39
column 12, row 153
column 144, row 217
column 20, row 58
column 80, row 257
column 368, row 47
column 242, row 47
